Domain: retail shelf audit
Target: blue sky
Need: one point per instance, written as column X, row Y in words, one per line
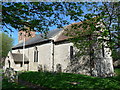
column 14, row 34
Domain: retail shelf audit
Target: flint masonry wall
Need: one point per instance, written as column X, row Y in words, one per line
column 62, row 55
column 53, row 54
column 16, row 66
column 44, row 56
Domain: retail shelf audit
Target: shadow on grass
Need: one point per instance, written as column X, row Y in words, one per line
column 68, row 80
column 10, row 86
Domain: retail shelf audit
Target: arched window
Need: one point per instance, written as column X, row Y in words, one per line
column 35, row 55
column 71, row 52
column 9, row 63
column 103, row 51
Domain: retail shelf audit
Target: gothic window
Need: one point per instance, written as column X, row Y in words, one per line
column 103, row 52
column 71, row 52
column 9, row 63
column 21, row 64
column 35, row 55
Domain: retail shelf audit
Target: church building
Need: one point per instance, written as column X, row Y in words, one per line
column 54, row 54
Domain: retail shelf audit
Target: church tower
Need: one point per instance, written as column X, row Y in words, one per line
column 27, row 34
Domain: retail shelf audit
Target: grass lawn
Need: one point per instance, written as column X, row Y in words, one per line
column 0, row 78
column 64, row 80
column 117, row 70
column 8, row 85
column 68, row 80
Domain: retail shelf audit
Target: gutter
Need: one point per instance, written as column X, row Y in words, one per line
column 31, row 45
column 52, row 49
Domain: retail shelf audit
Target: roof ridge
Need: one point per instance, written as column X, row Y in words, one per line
column 38, row 38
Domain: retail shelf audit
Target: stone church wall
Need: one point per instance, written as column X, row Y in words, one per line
column 62, row 55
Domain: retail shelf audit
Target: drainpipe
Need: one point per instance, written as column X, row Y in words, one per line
column 23, row 51
column 52, row 42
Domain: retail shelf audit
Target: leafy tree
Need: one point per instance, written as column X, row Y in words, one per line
column 108, row 14
column 84, row 37
column 40, row 16
column 113, row 25
column 6, row 44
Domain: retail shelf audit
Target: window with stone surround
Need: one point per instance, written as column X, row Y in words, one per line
column 103, row 51
column 9, row 63
column 35, row 55
column 71, row 52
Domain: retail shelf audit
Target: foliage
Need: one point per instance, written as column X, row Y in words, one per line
column 6, row 44
column 106, row 24
column 112, row 23
column 67, row 80
column 98, row 19
column 116, row 54
column 117, row 70
column 37, row 15
column 40, row 16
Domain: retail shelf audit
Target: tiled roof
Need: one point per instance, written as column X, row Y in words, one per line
column 19, row 57
column 52, row 33
column 39, row 38
column 62, row 37
column 69, row 30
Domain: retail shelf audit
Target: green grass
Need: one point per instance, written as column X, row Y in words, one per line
column 64, row 80
column 117, row 70
column 8, row 85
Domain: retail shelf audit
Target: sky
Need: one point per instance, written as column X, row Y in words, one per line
column 14, row 34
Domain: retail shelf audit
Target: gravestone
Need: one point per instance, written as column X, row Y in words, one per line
column 40, row 68
column 59, row 68
column 11, row 75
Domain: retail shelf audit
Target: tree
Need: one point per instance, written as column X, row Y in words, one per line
column 111, row 18
column 38, row 16
column 85, row 38
column 6, row 44
column 85, row 35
